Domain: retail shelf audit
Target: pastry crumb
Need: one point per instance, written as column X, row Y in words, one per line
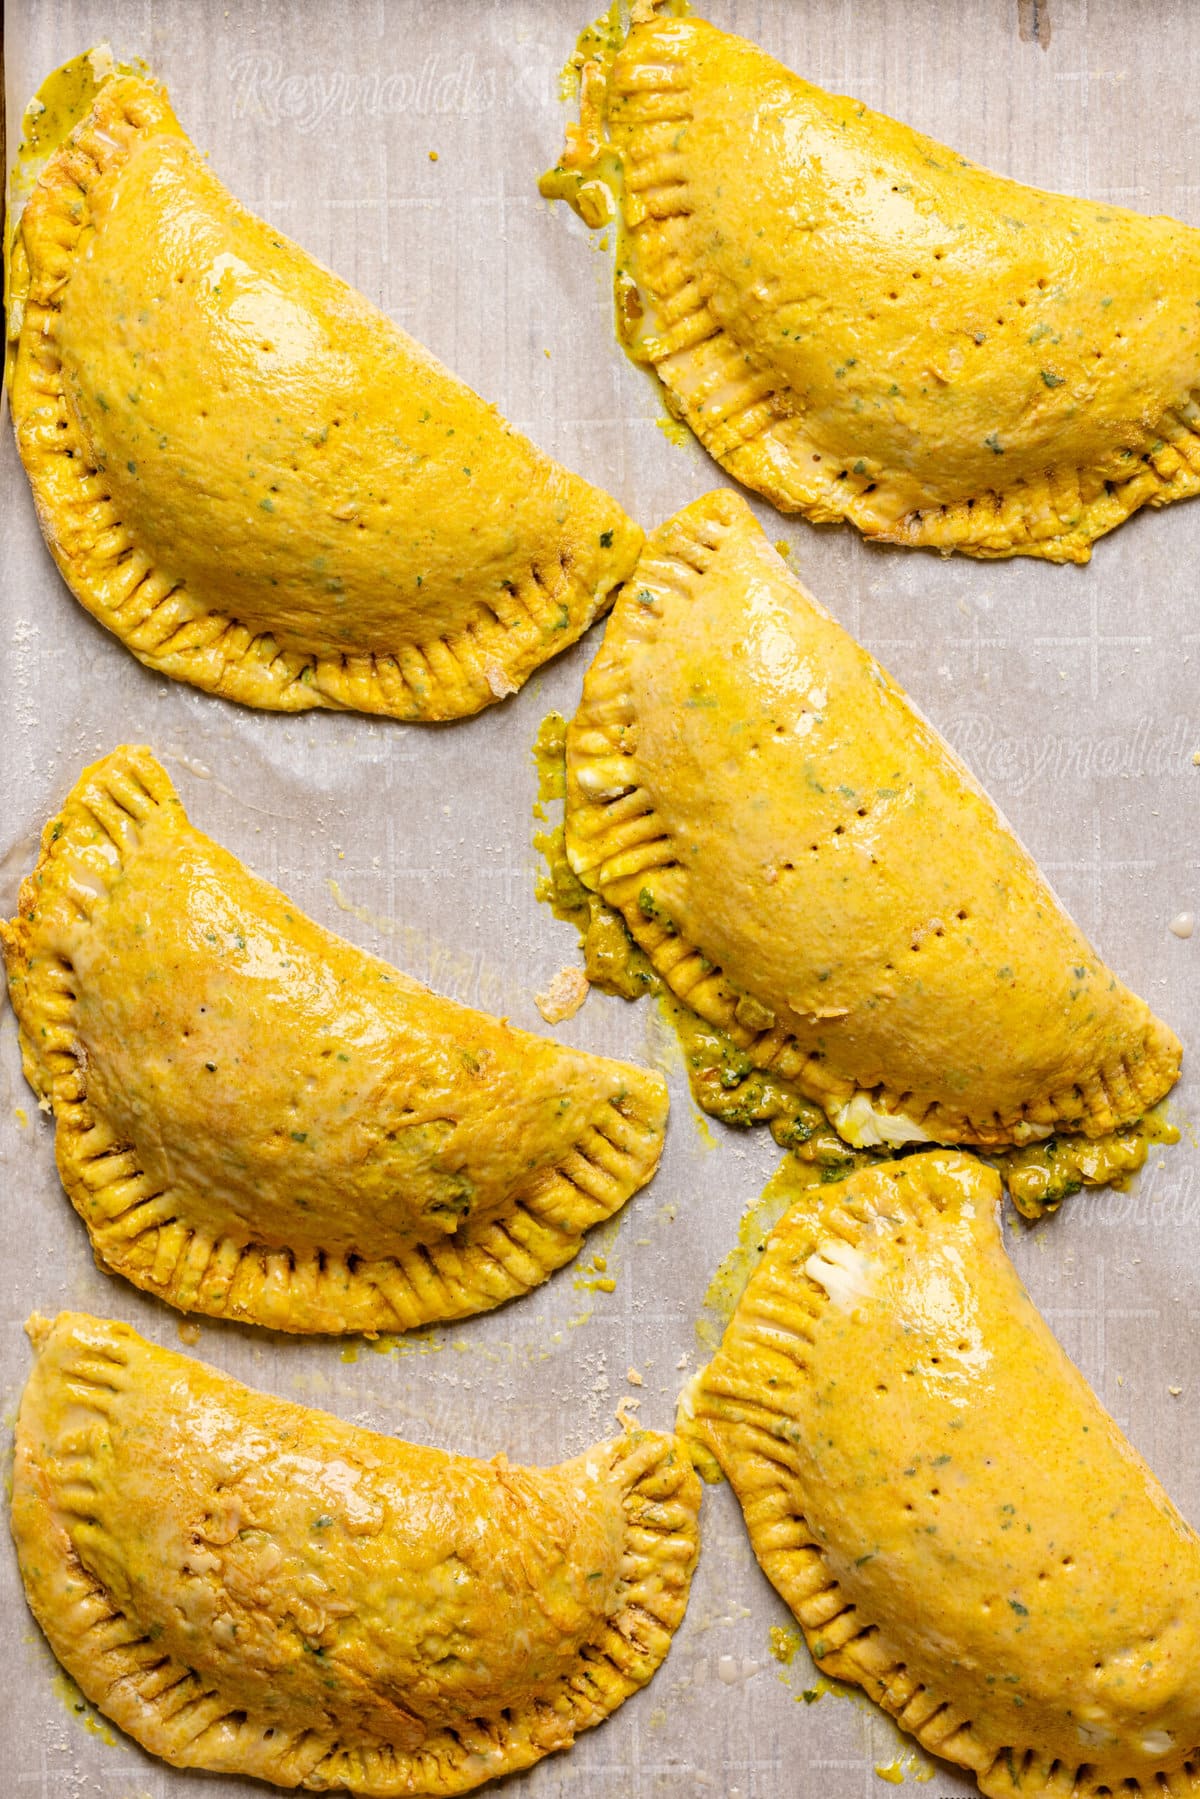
column 1174, row 1392
column 564, row 996
column 500, row 683
column 634, row 1378
column 433, row 156
column 1183, row 924
column 626, row 1412
column 189, row 1331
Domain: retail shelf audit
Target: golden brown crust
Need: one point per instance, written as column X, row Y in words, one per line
column 863, row 326
column 243, row 1637
column 811, row 869
column 257, row 1121
column 956, row 1523
column 367, row 569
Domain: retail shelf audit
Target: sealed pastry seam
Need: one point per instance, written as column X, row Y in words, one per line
column 360, row 1648
column 964, row 292
column 244, row 1149
column 692, row 617
column 115, row 527
column 1030, row 1618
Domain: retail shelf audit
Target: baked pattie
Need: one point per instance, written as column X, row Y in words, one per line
column 258, row 1121
column 251, row 1587
column 250, row 475
column 810, row 868
column 860, row 324
column 956, row 1522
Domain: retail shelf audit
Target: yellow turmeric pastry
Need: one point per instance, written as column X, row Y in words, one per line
column 811, row 869
column 250, row 475
column 860, row 324
column 956, row 1522
column 251, row 1587
column 258, row 1121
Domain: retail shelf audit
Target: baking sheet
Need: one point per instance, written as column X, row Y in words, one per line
column 1071, row 692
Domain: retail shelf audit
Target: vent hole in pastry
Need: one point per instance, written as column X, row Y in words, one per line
column 961, row 913
column 839, row 830
column 880, row 1387
column 1022, row 302
column 916, row 274
column 816, row 456
column 893, row 296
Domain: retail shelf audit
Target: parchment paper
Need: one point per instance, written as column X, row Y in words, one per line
column 1072, row 692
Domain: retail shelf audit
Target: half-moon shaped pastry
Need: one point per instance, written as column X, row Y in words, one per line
column 251, row 476
column 254, row 1588
column 811, row 868
column 956, row 1522
column 860, row 324
column 258, row 1121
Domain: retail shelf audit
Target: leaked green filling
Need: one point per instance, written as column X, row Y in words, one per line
column 726, row 1085
column 63, row 99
